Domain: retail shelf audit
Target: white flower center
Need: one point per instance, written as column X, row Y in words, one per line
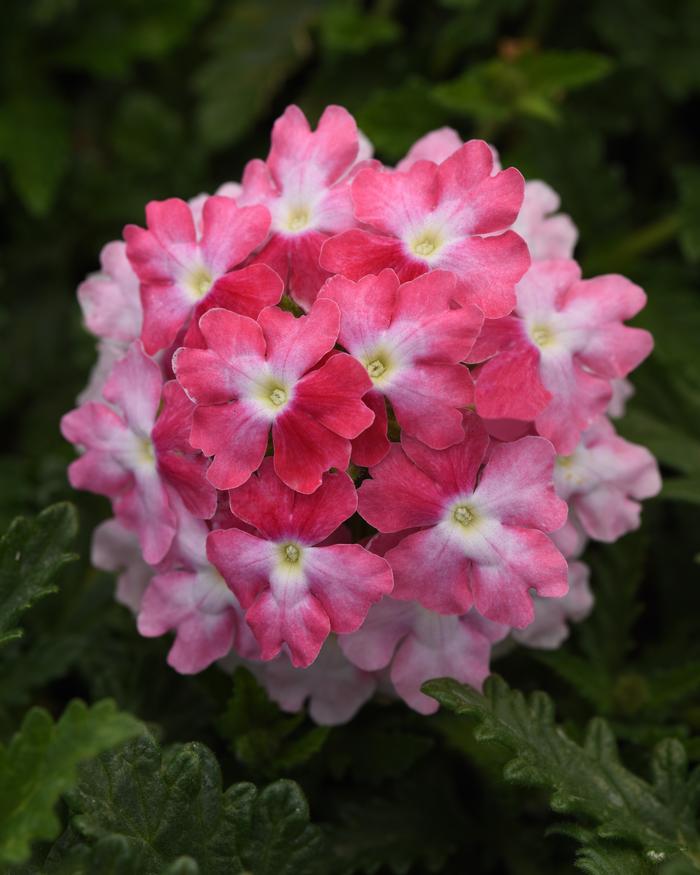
column 199, row 282
column 298, row 219
column 426, row 244
column 542, row 335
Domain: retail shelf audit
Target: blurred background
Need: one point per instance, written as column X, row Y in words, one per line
column 104, row 106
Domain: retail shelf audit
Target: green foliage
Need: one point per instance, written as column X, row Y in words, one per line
column 586, row 780
column 31, row 554
column 39, row 764
column 154, row 812
column 263, row 737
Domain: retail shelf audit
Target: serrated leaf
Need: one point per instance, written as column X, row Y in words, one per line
column 40, row 764
column 31, row 553
column 170, row 811
column 589, row 780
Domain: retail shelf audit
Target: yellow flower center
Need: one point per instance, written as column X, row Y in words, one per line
column 200, row 281
column 298, row 219
column 464, row 515
column 376, row 368
column 291, row 553
column 426, row 244
column 278, row 396
column 542, row 335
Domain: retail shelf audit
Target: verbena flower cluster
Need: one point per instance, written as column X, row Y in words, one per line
column 353, row 420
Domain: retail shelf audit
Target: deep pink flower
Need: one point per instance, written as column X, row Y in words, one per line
column 115, row 548
column 334, row 688
column 482, row 540
column 411, row 342
column 191, row 598
column 134, row 458
column 419, row 645
column 604, row 479
column 552, row 360
column 304, row 183
column 178, row 267
column 550, row 627
column 294, row 590
column 257, row 376
column 436, row 217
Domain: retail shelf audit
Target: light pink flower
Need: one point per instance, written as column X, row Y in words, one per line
column 115, row 548
column 334, row 688
column 295, row 590
column 411, row 342
column 110, row 299
column 482, row 540
column 552, row 360
column 550, row 627
column 548, row 234
column 435, row 146
column 265, row 375
column 622, row 391
column 604, row 479
column 438, row 217
column 178, row 267
column 190, row 597
column 108, row 354
column 305, row 185
column 419, row 645
column 135, row 458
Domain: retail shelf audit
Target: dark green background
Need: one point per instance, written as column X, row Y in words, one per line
column 104, row 106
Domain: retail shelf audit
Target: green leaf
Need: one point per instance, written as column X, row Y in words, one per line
column 254, row 47
column 40, row 764
column 587, row 780
column 34, row 145
column 347, row 28
column 260, row 735
column 31, row 553
column 169, row 811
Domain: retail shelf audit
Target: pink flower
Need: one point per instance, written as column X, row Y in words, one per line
column 294, row 590
column 334, row 688
column 257, row 376
column 437, row 217
column 550, row 627
column 411, row 343
column 192, row 598
column 108, row 354
column 604, row 479
column 115, row 548
column 622, row 391
column 547, row 233
column 178, row 267
column 110, row 299
column 435, row 146
column 304, row 184
column 552, row 360
column 482, row 541
column 419, row 645
column 134, row 458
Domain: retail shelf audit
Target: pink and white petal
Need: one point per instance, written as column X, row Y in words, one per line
column 463, row 170
column 115, row 548
column 453, row 470
column 366, row 308
column 487, row 269
column 496, row 336
column 230, row 233
column 166, row 310
column 517, row 486
column 205, row 376
column 110, row 300
column 356, row 253
column 149, row 260
column 278, row 512
column 606, row 513
column 613, row 350
column 399, row 495
column 304, row 449
column 172, row 428
column 333, row 213
column 243, row 560
column 607, row 298
column 96, row 426
column 435, row 146
column 238, row 340
column 246, row 291
column 508, row 563
column 200, row 641
column 544, row 287
column 395, row 202
column 296, row 344
column 332, row 395
column 135, row 387
column 146, row 510
column 570, row 539
column 372, row 445
column 98, row 471
column 428, row 401
column 296, row 619
column 372, row 646
column 172, row 224
column 187, row 474
column 236, row 436
column 346, row 579
column 509, row 385
column 431, row 568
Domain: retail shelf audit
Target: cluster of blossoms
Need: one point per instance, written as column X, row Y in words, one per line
column 353, row 419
